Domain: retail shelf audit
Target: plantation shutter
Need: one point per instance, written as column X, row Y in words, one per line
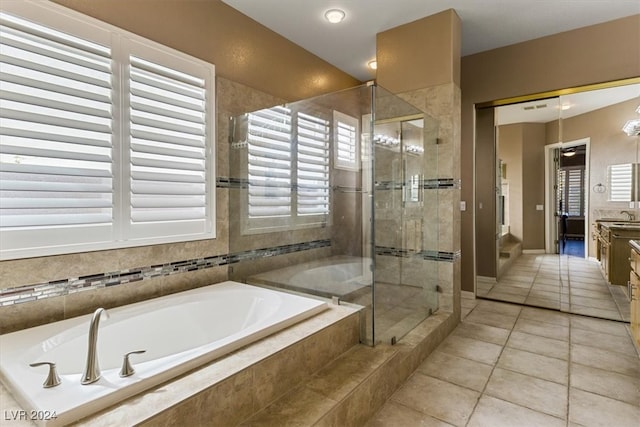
column 560, row 183
column 106, row 138
column 345, row 141
column 269, row 162
column 55, row 136
column 620, row 182
column 167, row 149
column 575, row 192
column 312, row 170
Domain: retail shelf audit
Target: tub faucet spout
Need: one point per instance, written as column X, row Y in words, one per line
column 92, row 369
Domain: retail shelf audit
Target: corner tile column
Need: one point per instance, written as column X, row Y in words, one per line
column 420, row 63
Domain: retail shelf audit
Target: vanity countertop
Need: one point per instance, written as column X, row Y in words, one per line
column 619, row 224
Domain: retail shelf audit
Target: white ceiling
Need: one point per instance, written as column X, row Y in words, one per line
column 546, row 110
column 486, row 24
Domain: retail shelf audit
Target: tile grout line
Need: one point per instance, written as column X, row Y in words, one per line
column 493, row 368
column 532, row 283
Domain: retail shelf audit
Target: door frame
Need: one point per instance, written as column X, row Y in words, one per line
column 550, row 222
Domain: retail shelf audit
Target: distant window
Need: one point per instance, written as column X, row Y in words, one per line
column 571, row 191
column 346, row 147
column 106, row 138
column 621, row 183
column 288, row 169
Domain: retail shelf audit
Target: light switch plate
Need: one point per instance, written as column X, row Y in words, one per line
column 539, row 207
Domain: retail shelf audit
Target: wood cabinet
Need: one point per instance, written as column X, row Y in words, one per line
column 613, row 241
column 634, row 291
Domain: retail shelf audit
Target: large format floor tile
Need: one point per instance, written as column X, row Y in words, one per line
column 547, row 369
column 557, row 282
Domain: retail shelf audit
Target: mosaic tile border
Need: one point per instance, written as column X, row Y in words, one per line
column 426, row 255
column 40, row 291
column 427, row 184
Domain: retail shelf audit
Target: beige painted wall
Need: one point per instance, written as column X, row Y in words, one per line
column 598, row 53
column 242, row 50
column 510, row 152
column 422, row 53
column 533, row 141
column 521, row 146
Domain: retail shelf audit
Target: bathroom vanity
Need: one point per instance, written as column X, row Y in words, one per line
column 613, row 248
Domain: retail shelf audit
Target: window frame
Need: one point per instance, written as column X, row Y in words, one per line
column 120, row 42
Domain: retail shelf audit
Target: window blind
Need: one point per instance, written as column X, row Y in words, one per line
column 168, row 143
column 575, row 192
column 105, row 137
column 55, row 129
column 345, row 141
column 620, row 182
column 269, row 162
column 312, row 165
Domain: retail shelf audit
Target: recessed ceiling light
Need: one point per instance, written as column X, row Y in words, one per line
column 373, row 64
column 334, row 15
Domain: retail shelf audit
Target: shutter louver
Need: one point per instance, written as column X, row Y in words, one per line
column 105, row 137
column 345, row 141
column 269, row 162
column 168, row 143
column 620, row 182
column 55, row 130
column 312, row 165
column 575, row 192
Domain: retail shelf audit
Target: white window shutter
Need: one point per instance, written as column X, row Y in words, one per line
column 106, row 138
column 345, row 139
column 620, row 182
column 312, row 165
column 167, row 150
column 55, row 136
column 269, row 162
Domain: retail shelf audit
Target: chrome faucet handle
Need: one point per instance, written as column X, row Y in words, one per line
column 52, row 378
column 127, row 370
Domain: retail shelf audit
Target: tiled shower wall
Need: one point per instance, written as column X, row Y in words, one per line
column 85, row 281
column 443, row 103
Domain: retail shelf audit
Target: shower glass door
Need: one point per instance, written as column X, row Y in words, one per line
column 320, row 205
column 406, row 217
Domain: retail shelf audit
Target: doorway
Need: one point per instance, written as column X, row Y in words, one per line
column 567, row 196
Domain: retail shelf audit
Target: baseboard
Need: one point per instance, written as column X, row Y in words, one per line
column 468, row 294
column 533, row 251
column 487, row 279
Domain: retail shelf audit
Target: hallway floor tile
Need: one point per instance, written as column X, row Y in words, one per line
column 507, row 365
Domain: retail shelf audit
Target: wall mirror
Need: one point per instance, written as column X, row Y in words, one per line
column 565, row 172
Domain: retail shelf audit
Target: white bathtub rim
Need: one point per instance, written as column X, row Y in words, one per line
column 67, row 415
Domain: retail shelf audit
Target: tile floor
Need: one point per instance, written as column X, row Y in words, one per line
column 508, row 365
column 560, row 282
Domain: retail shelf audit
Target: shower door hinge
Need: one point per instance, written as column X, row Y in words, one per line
column 438, row 289
column 438, row 141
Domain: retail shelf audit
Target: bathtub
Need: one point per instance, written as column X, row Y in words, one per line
column 341, row 276
column 179, row 332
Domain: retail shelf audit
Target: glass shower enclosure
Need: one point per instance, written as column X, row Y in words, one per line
column 330, row 196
